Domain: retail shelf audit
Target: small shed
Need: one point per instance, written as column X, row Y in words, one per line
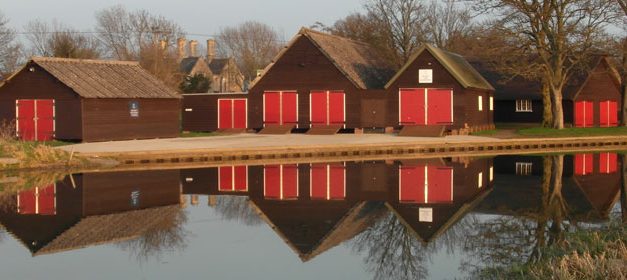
column 592, row 96
column 215, row 111
column 88, row 100
column 439, row 88
column 320, row 82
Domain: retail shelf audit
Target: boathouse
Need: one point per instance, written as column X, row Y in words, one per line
column 88, row 100
column 592, row 97
column 321, row 83
column 440, row 89
column 215, row 112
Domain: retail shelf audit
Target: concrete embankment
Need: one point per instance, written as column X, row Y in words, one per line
column 263, row 149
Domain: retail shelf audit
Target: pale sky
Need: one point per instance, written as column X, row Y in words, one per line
column 196, row 17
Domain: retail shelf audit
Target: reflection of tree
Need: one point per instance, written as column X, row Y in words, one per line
column 392, row 251
column 503, row 241
column 166, row 235
column 237, row 208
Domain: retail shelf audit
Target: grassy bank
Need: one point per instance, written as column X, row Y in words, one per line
column 584, row 254
column 21, row 154
column 533, row 131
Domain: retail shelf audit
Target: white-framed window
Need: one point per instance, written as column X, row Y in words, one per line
column 480, row 99
column 491, row 103
column 524, row 168
column 480, row 180
column 524, row 105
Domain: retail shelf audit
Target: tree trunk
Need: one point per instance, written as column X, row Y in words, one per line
column 547, row 113
column 623, row 191
column 556, row 106
column 624, row 107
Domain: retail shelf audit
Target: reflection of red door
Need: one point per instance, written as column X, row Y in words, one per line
column 327, row 108
column 584, row 114
column 233, row 178
column 583, row 164
column 425, row 184
column 280, row 182
column 608, row 163
column 280, row 107
column 421, row 106
column 41, row 201
column 608, row 113
column 232, row 113
column 327, row 181
column 35, row 119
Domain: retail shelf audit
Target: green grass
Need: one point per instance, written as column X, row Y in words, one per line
column 486, row 132
column 199, row 134
column 572, row 132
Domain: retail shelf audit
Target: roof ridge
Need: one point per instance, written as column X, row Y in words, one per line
column 91, row 61
column 305, row 30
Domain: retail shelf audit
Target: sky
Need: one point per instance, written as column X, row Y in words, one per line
column 195, row 16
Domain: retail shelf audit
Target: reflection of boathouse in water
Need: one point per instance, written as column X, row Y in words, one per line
column 90, row 209
column 590, row 185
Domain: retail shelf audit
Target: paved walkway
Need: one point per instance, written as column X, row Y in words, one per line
column 256, row 140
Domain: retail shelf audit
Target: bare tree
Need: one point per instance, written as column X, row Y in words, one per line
column 622, row 4
column 561, row 33
column 447, row 21
column 57, row 40
column 252, row 44
column 10, row 50
column 403, row 23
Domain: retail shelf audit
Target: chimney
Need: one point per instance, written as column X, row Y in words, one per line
column 211, row 49
column 180, row 43
column 163, row 44
column 193, row 46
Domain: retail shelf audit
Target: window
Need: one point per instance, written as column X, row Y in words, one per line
column 480, row 180
column 480, row 103
column 524, row 105
column 524, row 168
column 491, row 173
column 491, row 103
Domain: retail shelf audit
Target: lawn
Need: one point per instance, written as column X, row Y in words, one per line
column 199, row 134
column 572, row 132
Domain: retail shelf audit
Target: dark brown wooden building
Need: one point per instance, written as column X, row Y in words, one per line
column 88, row 100
column 320, row 82
column 591, row 97
column 439, row 88
column 215, row 111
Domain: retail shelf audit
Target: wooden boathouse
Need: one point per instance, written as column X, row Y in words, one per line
column 88, row 100
column 321, row 83
column 215, row 111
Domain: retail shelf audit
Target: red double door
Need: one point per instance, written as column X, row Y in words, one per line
column 35, row 119
column 232, row 113
column 37, row 201
column 584, row 114
column 233, row 178
column 327, row 108
column 425, row 184
column 608, row 113
column 280, row 108
column 425, row 106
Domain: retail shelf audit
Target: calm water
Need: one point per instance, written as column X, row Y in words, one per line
column 407, row 219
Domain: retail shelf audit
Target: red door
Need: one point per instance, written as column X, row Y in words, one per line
column 608, row 163
column 412, row 109
column 233, row 178
column 40, row 201
column 232, row 113
column 584, row 114
column 608, row 113
column 439, row 106
column 280, row 182
column 327, row 181
column 35, row 119
column 327, row 108
column 583, row 164
column 425, row 184
column 280, row 107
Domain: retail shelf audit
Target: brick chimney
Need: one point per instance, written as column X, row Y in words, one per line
column 180, row 43
column 193, row 47
column 211, row 49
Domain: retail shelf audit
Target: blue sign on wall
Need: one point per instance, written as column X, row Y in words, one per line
column 133, row 108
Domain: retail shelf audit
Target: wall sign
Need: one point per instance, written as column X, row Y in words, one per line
column 425, row 76
column 135, row 198
column 133, row 108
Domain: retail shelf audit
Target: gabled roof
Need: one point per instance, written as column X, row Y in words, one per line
column 357, row 61
column 509, row 88
column 103, row 78
column 217, row 65
column 454, row 63
column 187, row 64
column 578, row 80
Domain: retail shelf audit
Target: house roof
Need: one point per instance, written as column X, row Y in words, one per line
column 357, row 61
column 187, row 64
column 217, row 65
column 104, row 78
column 96, row 230
column 579, row 79
column 454, row 63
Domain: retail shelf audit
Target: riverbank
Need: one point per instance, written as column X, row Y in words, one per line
column 584, row 254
